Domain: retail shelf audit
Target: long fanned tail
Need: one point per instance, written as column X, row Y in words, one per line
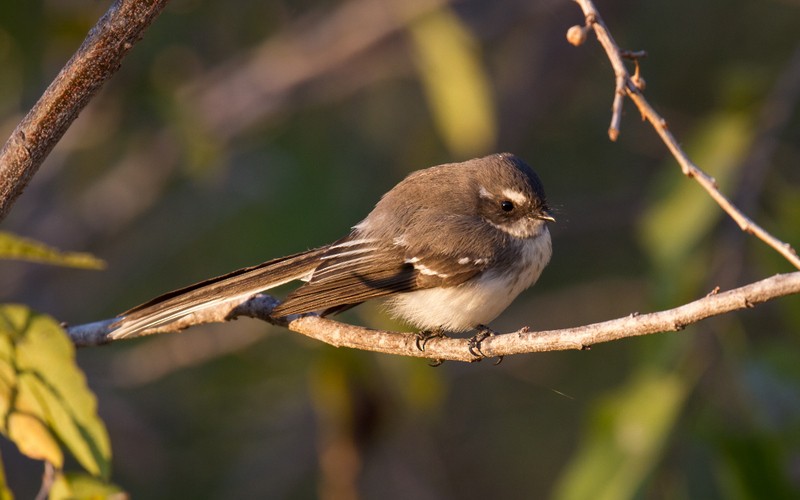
column 232, row 287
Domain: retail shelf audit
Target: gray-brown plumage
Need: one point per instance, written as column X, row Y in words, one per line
column 452, row 245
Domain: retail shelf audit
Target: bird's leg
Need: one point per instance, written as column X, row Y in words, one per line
column 474, row 344
column 424, row 336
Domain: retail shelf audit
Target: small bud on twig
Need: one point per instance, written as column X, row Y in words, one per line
column 576, row 35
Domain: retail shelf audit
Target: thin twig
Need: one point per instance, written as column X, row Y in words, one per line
column 48, row 478
column 97, row 59
column 457, row 349
column 626, row 84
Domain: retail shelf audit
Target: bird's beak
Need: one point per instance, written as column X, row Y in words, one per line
column 545, row 215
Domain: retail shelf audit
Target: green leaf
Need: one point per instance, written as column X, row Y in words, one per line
column 624, row 440
column 18, row 248
column 44, row 394
column 76, row 486
column 456, row 85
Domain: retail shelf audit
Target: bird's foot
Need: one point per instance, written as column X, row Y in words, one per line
column 474, row 343
column 424, row 336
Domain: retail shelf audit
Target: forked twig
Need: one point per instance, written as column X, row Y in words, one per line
column 631, row 87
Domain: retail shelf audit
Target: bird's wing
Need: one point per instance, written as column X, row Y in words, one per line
column 356, row 269
column 232, row 287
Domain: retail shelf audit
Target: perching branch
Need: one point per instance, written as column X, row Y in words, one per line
column 456, row 349
column 632, row 86
column 97, row 59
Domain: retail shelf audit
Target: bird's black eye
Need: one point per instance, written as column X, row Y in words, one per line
column 506, row 205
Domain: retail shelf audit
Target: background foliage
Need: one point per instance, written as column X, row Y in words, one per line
column 240, row 131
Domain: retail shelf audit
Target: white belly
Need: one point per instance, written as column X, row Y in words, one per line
column 476, row 302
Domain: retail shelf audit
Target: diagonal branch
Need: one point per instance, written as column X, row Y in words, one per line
column 97, row 59
column 632, row 88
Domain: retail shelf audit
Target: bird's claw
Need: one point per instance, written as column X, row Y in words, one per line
column 474, row 344
column 423, row 337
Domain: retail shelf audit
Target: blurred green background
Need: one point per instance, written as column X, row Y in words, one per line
column 240, row 131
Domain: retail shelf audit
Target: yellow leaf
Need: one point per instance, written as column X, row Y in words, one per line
column 33, row 439
column 37, row 363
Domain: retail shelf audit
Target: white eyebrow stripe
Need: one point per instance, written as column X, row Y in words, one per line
column 515, row 196
column 511, row 194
